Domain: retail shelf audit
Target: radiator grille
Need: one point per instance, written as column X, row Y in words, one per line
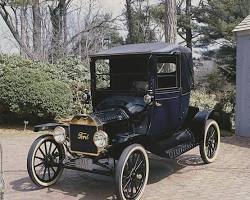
column 81, row 139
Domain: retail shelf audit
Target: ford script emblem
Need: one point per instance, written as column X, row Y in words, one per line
column 83, row 136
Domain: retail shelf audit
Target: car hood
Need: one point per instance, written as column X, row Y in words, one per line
column 131, row 104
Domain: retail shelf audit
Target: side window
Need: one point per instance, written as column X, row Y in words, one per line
column 102, row 74
column 167, row 73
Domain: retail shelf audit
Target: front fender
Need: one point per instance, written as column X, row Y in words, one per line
column 49, row 126
column 198, row 123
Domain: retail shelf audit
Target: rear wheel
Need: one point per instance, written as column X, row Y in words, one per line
column 209, row 147
column 44, row 162
column 132, row 173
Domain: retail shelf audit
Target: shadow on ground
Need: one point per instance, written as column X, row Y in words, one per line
column 88, row 186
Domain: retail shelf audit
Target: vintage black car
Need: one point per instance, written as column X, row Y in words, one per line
column 140, row 97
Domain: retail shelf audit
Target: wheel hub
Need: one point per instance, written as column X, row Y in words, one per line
column 139, row 176
column 49, row 160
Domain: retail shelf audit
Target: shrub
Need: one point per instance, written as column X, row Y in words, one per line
column 38, row 89
column 32, row 90
column 74, row 69
column 203, row 99
column 223, row 102
column 78, row 77
column 215, row 81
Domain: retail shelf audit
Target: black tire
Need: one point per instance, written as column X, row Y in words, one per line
column 132, row 173
column 44, row 162
column 210, row 145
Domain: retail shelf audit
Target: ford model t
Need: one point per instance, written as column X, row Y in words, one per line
column 140, row 97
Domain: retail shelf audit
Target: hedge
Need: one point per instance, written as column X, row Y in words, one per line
column 40, row 91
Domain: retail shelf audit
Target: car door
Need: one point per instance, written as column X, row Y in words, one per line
column 165, row 113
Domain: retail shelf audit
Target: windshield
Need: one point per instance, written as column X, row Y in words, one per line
column 122, row 74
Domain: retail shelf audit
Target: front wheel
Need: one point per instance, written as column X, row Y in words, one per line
column 209, row 147
column 132, row 173
column 44, row 162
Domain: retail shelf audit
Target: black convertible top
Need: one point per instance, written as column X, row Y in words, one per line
column 144, row 48
column 156, row 49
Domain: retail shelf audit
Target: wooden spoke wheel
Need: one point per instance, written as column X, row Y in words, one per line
column 209, row 147
column 132, row 173
column 44, row 162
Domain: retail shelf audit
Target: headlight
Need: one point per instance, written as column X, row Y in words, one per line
column 148, row 99
column 100, row 139
column 59, row 134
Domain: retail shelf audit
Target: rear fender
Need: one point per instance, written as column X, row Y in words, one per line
column 198, row 123
column 50, row 126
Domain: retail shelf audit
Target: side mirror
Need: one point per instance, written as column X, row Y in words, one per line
column 86, row 97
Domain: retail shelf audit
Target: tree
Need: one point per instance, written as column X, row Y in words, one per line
column 37, row 29
column 217, row 20
column 170, row 21
column 189, row 34
column 12, row 25
column 43, row 33
column 186, row 21
column 139, row 21
column 95, row 30
column 58, row 12
column 130, row 22
column 24, row 26
column 16, row 16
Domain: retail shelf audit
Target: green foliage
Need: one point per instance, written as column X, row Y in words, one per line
column 102, row 74
column 115, row 37
column 219, row 100
column 41, row 90
column 218, row 19
column 213, row 21
column 78, row 78
column 224, row 91
column 140, row 22
column 223, row 102
column 227, row 101
column 216, row 82
column 203, row 99
column 226, row 60
column 157, row 13
column 33, row 93
column 15, row 62
column 73, row 69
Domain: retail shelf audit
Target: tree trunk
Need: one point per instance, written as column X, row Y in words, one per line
column 57, row 21
column 170, row 21
column 26, row 21
column 22, row 24
column 65, row 28
column 37, row 29
column 189, row 34
column 130, row 23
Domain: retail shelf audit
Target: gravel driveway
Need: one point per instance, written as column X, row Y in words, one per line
column 184, row 178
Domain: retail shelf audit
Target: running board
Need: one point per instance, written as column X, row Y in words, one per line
column 178, row 150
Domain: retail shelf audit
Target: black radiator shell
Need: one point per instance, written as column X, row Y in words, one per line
column 86, row 146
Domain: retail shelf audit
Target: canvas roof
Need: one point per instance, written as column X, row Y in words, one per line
column 244, row 25
column 144, row 48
